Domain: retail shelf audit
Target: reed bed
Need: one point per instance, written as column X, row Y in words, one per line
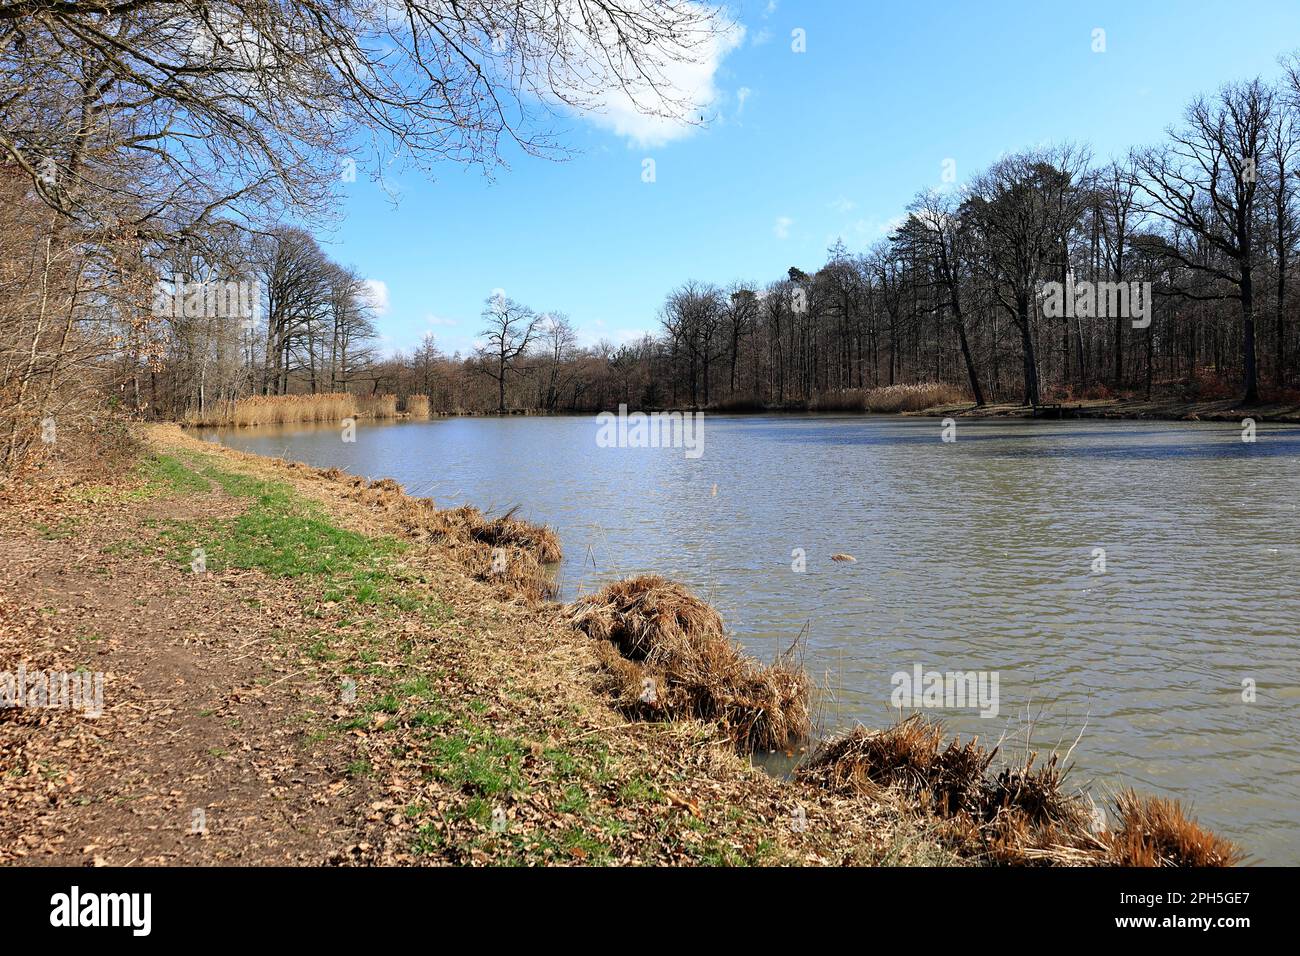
column 1021, row 814
column 280, row 410
column 667, row 656
column 417, row 406
column 890, row 398
column 377, row 406
column 331, row 407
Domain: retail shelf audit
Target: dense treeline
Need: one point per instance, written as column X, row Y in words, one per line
column 958, row 293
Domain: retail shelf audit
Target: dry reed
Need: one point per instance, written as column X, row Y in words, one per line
column 890, row 398
column 331, row 407
column 281, row 410
column 1156, row 832
column 377, row 406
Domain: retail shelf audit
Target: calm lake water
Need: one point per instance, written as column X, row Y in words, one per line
column 976, row 555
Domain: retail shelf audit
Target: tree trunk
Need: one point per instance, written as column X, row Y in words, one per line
column 1251, row 383
column 1027, row 348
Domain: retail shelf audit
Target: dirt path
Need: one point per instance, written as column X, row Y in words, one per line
column 196, row 757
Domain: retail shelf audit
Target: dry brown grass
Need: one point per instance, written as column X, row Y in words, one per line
column 668, row 657
column 506, row 551
column 909, row 756
column 1021, row 815
column 467, row 523
column 1156, row 832
column 514, row 555
column 1018, row 816
column 417, row 406
column 516, row 571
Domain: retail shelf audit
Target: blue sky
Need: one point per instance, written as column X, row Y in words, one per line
column 801, row 148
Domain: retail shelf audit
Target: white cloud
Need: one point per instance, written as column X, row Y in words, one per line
column 432, row 319
column 761, row 37
column 771, row 9
column 781, row 228
column 686, row 90
column 869, row 229
column 377, row 289
column 742, row 95
column 843, row 205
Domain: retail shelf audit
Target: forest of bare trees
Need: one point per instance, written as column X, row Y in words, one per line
column 955, row 293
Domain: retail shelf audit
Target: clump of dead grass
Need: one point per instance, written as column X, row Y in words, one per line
column 515, row 571
column 1020, row 815
column 1156, row 832
column 909, row 756
column 507, row 551
column 467, row 523
column 666, row 656
column 998, row 816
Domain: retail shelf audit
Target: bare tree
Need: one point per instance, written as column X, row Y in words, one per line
column 740, row 312
column 1020, row 210
column 692, row 316
column 349, row 311
column 1116, row 215
column 295, row 276
column 1206, row 181
column 509, row 329
column 933, row 228
column 193, row 108
column 559, row 342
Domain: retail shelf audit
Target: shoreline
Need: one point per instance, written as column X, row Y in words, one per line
column 379, row 707
column 1218, row 410
column 350, row 668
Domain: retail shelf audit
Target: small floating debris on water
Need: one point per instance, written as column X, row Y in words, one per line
column 841, row 556
column 715, row 491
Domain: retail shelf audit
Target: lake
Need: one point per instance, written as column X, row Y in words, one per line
column 979, row 554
